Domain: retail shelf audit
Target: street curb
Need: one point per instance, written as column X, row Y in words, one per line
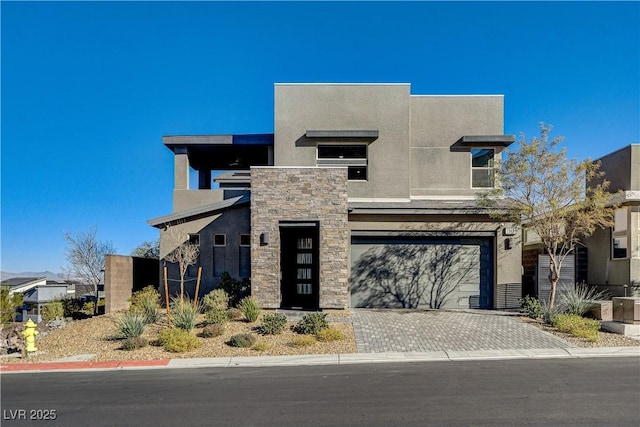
column 7, row 368
column 324, row 359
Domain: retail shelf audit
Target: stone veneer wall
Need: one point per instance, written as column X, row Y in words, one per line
column 300, row 194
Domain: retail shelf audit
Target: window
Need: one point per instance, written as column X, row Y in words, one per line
column 219, row 240
column 482, row 168
column 353, row 156
column 245, row 240
column 619, row 236
column 194, row 239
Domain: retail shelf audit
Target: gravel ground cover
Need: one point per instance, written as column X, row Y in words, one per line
column 605, row 339
column 97, row 336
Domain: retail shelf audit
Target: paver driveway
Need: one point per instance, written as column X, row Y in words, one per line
column 388, row 330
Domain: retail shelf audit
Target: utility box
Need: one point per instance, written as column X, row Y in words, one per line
column 626, row 310
column 603, row 311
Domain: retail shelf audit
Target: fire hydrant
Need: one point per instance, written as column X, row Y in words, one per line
column 29, row 335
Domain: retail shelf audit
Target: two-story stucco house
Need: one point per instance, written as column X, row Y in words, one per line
column 364, row 196
column 614, row 253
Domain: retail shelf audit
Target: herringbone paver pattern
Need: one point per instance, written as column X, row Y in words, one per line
column 379, row 331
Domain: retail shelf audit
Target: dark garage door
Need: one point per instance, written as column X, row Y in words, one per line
column 410, row 272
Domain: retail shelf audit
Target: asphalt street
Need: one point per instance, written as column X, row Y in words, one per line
column 552, row 392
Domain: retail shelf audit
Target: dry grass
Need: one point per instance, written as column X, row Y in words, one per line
column 97, row 336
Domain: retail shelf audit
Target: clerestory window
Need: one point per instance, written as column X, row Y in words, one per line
column 354, row 156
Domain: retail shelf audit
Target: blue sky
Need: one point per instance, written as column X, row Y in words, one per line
column 89, row 89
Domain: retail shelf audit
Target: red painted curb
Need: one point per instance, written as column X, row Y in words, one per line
column 57, row 366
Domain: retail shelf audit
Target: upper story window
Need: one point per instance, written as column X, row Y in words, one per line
column 245, row 239
column 219, row 240
column 482, row 168
column 354, row 156
column 619, row 236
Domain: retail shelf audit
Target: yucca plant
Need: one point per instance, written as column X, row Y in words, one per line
column 250, row 308
column 581, row 299
column 184, row 314
column 550, row 314
column 147, row 303
column 130, row 325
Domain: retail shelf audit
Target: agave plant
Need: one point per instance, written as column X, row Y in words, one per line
column 581, row 299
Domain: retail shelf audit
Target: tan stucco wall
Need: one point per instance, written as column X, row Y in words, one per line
column 188, row 199
column 118, row 282
column 383, row 107
column 437, row 122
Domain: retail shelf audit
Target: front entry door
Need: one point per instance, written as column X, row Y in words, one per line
column 299, row 263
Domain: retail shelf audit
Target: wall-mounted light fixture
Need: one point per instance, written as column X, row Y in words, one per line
column 507, row 244
column 264, row 238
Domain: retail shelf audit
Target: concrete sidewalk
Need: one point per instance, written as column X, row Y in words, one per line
column 325, row 359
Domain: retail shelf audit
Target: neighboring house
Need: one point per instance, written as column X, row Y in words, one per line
column 36, row 291
column 535, row 267
column 42, row 294
column 614, row 253
column 23, row 284
column 364, row 196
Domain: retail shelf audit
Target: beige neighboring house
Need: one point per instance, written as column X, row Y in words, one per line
column 363, row 196
column 614, row 253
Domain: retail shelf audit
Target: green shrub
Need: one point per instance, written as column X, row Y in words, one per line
column 216, row 300
column 130, row 325
column 236, row 289
column 184, row 314
column 581, row 299
column 249, row 308
column 262, row 346
column 71, row 306
column 530, row 307
column 242, row 340
column 212, row 331
column 234, row 314
column 134, row 343
column 178, row 340
column 9, row 305
column 549, row 314
column 273, row 324
column 578, row 326
column 88, row 308
column 303, row 341
column 216, row 317
column 311, row 324
column 330, row 334
column 52, row 310
column 146, row 302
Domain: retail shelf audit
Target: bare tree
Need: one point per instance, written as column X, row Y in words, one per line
column 86, row 256
column 182, row 252
column 560, row 199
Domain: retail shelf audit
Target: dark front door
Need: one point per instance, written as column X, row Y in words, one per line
column 299, row 263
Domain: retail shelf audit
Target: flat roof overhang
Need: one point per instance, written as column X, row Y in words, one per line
column 223, row 152
column 340, row 134
column 485, row 141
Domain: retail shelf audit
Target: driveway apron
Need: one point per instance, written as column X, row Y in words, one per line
column 390, row 330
